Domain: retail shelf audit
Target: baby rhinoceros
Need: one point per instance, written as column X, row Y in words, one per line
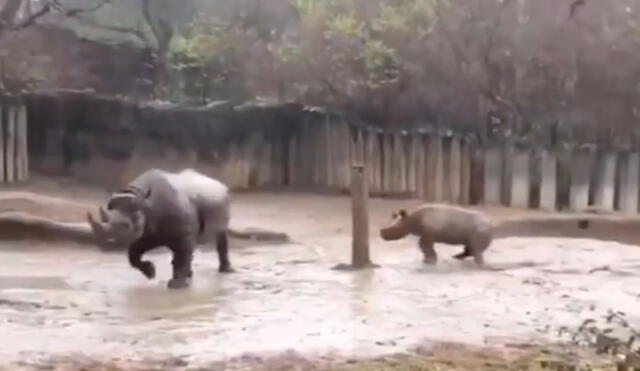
column 176, row 210
column 475, row 230
column 444, row 224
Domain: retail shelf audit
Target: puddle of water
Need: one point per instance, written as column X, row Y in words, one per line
column 42, row 283
column 287, row 297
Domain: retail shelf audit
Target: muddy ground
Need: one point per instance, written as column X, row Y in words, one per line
column 69, row 305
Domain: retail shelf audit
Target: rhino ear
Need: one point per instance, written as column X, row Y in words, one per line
column 144, row 203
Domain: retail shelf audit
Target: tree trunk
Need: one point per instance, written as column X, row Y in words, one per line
column 8, row 14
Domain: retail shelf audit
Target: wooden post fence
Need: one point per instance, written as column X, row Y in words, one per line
column 14, row 161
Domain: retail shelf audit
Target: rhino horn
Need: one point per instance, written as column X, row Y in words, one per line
column 97, row 227
column 104, row 217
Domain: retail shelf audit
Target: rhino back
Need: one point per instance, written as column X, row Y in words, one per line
column 146, row 180
column 451, row 224
column 209, row 196
column 199, row 186
column 184, row 202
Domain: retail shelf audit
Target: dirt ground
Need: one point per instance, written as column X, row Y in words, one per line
column 285, row 308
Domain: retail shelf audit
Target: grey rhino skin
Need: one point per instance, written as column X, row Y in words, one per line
column 446, row 224
column 475, row 230
column 176, row 210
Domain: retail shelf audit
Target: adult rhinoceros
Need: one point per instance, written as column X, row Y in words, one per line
column 176, row 210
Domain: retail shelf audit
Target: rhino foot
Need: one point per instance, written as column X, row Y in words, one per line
column 178, row 283
column 148, row 269
column 430, row 260
column 461, row 256
column 226, row 269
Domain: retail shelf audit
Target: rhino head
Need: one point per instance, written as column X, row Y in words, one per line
column 124, row 220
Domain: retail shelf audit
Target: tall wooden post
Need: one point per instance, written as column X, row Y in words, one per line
column 4, row 113
column 10, row 149
column 360, row 258
column 360, row 217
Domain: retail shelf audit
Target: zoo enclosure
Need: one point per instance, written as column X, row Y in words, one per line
column 448, row 168
column 258, row 146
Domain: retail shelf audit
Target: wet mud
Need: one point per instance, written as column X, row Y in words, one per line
column 64, row 301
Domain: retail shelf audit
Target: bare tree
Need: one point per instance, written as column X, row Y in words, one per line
column 19, row 14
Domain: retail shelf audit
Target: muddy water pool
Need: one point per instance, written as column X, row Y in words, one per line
column 60, row 301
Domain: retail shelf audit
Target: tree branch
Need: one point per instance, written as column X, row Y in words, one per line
column 30, row 20
column 575, row 7
column 71, row 12
column 146, row 13
column 51, row 5
column 124, row 30
column 9, row 11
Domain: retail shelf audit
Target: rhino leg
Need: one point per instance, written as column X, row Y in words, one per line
column 136, row 251
column 429, row 253
column 464, row 254
column 478, row 244
column 222, row 245
column 181, row 262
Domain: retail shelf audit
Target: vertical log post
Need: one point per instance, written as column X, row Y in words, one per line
column 548, row 181
column 10, row 154
column 360, row 258
column 4, row 113
column 25, row 142
column 360, row 218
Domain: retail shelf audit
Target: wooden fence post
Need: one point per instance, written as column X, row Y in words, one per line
column 604, row 182
column 520, row 178
column 628, row 183
column 23, row 153
column 493, row 175
column 3, row 123
column 10, row 154
column 360, row 258
column 548, row 181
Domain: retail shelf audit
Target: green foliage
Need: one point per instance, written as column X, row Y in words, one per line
column 199, row 47
column 421, row 60
column 314, row 8
column 381, row 64
column 333, row 40
column 345, row 25
column 408, row 16
column 286, row 53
